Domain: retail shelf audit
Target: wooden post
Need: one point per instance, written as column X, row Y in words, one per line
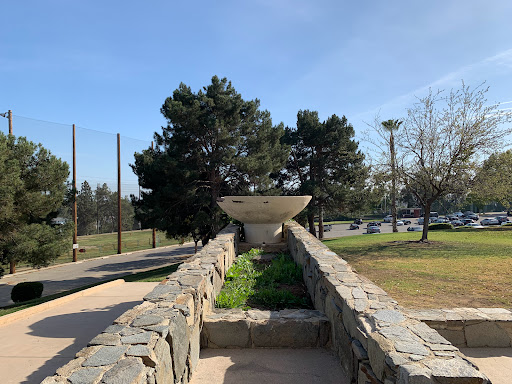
column 119, row 245
column 154, row 229
column 9, row 116
column 12, row 267
column 75, row 217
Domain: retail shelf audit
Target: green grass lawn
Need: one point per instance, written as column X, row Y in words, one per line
column 458, row 268
column 154, row 275
column 106, row 244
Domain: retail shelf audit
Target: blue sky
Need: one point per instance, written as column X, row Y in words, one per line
column 109, row 65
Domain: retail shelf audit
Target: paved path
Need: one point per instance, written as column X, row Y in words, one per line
column 495, row 363
column 35, row 346
column 63, row 277
column 269, row 366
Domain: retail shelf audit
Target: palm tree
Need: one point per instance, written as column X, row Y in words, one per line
column 391, row 126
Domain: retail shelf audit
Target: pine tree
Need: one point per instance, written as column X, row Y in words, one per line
column 215, row 144
column 86, row 210
column 32, row 189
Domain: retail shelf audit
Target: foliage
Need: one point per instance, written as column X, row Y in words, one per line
column 442, row 139
column 436, row 226
column 250, row 284
column 32, row 190
column 493, row 180
column 215, row 144
column 86, row 210
column 324, row 162
column 27, row 290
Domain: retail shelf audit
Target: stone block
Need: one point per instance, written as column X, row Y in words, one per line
column 179, row 339
column 378, row 347
column 86, row 375
column 147, row 319
column 228, row 334
column 146, row 354
column 106, row 355
column 486, row 334
column 127, row 371
column 67, row 369
column 456, row 337
column 164, row 370
column 456, row 370
column 414, row 374
column 139, row 338
column 285, row 334
column 195, row 347
column 389, row 316
column 131, row 314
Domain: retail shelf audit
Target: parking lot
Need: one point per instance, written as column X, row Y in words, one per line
column 339, row 230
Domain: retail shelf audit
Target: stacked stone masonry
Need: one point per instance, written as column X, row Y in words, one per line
column 289, row 328
column 376, row 341
column 158, row 341
column 469, row 327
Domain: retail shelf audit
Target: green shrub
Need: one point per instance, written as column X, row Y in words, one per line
column 435, row 226
column 26, row 291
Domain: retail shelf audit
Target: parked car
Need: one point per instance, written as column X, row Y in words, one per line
column 399, row 223
column 415, row 229
column 407, row 222
column 491, row 221
column 388, row 219
column 373, row 223
column 353, row 226
column 473, row 225
column 467, row 221
column 457, row 223
column 373, row 229
column 508, row 222
column 471, row 215
column 327, row 227
column 421, row 220
column 358, row 221
column 501, row 219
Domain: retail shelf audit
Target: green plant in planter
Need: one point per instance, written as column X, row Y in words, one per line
column 248, row 284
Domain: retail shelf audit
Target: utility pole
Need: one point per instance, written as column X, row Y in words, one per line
column 154, row 230
column 118, row 193
column 75, row 217
column 9, row 116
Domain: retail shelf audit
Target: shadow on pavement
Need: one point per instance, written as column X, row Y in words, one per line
column 82, row 326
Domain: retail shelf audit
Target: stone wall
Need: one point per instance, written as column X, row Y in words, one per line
column 376, row 341
column 158, row 341
column 470, row 327
column 288, row 328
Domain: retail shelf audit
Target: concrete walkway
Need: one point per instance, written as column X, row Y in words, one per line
column 35, row 346
column 269, row 366
column 63, row 277
column 495, row 363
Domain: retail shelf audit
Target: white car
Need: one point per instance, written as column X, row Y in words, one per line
column 415, row 229
column 508, row 222
column 388, row 219
column 399, row 222
column 473, row 225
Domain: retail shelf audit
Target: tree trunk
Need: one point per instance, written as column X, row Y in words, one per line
column 195, row 245
column 320, row 222
column 311, row 222
column 393, row 179
column 426, row 220
column 12, row 266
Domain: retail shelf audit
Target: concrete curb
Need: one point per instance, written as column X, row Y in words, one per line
column 24, row 313
column 7, row 275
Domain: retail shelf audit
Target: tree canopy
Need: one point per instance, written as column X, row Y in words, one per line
column 442, row 140
column 215, row 144
column 32, row 189
column 324, row 162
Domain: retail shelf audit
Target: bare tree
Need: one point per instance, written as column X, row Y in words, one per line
column 443, row 140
